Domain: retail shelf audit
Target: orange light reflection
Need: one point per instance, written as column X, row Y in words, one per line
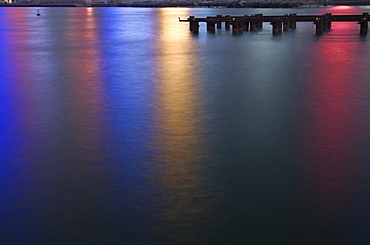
column 178, row 135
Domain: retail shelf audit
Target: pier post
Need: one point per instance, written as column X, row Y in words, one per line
column 364, row 27
column 328, row 21
column 193, row 25
column 286, row 25
column 236, row 27
column 211, row 27
column 364, row 23
column 292, row 21
column 276, row 27
column 218, row 22
column 241, row 26
column 246, row 23
column 259, row 22
column 324, row 24
column 227, row 23
column 319, row 26
column 253, row 25
column 245, row 26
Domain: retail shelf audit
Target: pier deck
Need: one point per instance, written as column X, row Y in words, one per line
column 279, row 23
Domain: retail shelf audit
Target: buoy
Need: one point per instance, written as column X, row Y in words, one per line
column 38, row 13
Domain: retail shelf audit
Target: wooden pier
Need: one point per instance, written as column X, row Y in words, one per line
column 279, row 24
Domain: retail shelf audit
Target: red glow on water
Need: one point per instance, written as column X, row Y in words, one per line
column 331, row 129
column 84, row 68
column 332, row 117
column 343, row 7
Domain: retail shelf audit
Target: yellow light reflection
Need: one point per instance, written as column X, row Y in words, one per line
column 179, row 134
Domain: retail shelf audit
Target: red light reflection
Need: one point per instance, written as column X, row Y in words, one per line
column 331, row 131
column 84, row 69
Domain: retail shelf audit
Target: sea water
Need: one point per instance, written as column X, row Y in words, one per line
column 119, row 126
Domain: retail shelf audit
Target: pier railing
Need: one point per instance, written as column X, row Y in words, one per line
column 279, row 24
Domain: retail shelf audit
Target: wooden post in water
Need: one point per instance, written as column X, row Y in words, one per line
column 193, row 25
column 286, row 26
column 241, row 26
column 328, row 21
column 324, row 24
column 245, row 23
column 235, row 25
column 253, row 25
column 292, row 21
column 227, row 23
column 319, row 26
column 276, row 27
column 245, row 26
column 259, row 21
column 364, row 23
column 218, row 23
column 211, row 26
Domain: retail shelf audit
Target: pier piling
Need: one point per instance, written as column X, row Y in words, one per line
column 319, row 26
column 253, row 25
column 227, row 23
column 328, row 21
column 364, row 23
column 193, row 25
column 218, row 22
column 286, row 26
column 211, row 27
column 276, row 27
column 237, row 27
column 259, row 21
column 245, row 26
column 292, row 21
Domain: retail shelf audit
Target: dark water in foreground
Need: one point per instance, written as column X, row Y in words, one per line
column 119, row 127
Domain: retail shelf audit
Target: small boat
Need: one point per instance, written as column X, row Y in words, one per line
column 38, row 13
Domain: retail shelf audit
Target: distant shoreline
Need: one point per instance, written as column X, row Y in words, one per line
column 282, row 4
column 179, row 4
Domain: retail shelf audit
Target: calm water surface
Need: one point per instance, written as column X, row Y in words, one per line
column 120, row 127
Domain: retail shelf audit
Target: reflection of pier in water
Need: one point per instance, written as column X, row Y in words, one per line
column 279, row 24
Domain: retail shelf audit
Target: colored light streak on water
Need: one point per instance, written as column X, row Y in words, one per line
column 333, row 146
column 20, row 108
column 84, row 85
column 5, row 85
column 19, row 115
column 129, row 70
column 80, row 147
column 178, row 134
column 127, row 49
column 53, row 131
column 7, row 151
column 341, row 9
